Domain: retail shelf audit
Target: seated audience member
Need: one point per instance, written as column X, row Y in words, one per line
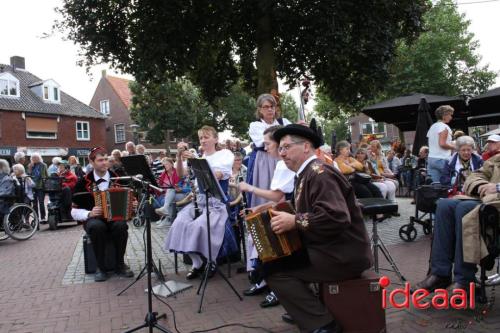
column 157, row 166
column 52, row 169
column 169, row 181
column 348, row 166
column 461, row 163
column 115, row 163
column 383, row 178
column 140, row 149
column 130, row 148
column 7, row 187
column 331, row 225
column 491, row 150
column 20, row 173
column 69, row 181
column 85, row 210
column 75, row 167
column 457, row 218
column 393, row 162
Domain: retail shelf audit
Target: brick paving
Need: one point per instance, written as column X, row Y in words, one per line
column 44, row 289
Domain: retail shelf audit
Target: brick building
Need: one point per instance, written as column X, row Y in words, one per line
column 37, row 116
column 113, row 98
column 362, row 125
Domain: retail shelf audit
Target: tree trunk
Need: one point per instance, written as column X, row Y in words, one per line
column 266, row 58
column 167, row 144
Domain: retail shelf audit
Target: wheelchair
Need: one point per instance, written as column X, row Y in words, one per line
column 57, row 212
column 19, row 219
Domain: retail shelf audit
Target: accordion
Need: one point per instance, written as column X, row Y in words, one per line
column 116, row 203
column 269, row 245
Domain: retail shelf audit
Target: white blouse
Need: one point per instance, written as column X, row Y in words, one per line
column 222, row 161
column 283, row 178
column 257, row 128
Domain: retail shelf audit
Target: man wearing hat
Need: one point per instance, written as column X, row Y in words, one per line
column 452, row 257
column 331, row 226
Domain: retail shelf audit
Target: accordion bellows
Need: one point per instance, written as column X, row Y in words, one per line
column 269, row 245
column 116, row 203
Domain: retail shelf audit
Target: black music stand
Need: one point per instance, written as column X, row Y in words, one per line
column 208, row 184
column 138, row 165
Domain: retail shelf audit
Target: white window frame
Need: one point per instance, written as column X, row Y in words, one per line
column 104, row 102
column 373, row 123
column 124, row 134
column 51, row 86
column 11, row 80
column 82, row 130
column 28, row 136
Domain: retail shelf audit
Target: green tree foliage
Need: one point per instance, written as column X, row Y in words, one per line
column 179, row 106
column 332, row 117
column 344, row 45
column 289, row 108
column 442, row 61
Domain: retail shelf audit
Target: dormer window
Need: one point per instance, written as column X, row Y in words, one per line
column 51, row 91
column 9, row 85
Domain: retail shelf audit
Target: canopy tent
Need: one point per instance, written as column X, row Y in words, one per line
column 485, row 104
column 402, row 111
column 493, row 132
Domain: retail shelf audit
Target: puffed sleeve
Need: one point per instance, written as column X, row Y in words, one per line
column 256, row 133
column 283, row 178
column 286, row 122
column 223, row 162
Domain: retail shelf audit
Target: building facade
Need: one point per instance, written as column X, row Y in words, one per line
column 37, row 116
column 113, row 99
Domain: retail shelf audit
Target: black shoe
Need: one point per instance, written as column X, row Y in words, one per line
column 124, row 271
column 332, row 327
column 254, row 290
column 100, row 276
column 271, row 300
column 433, row 282
column 43, row 221
column 287, row 319
column 195, row 272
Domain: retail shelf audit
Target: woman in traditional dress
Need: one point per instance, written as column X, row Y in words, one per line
column 261, row 165
column 281, row 187
column 188, row 233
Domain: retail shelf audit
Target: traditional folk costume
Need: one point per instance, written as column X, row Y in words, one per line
column 333, row 233
column 188, row 233
column 260, row 165
column 95, row 227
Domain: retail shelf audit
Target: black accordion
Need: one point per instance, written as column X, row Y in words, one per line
column 269, row 245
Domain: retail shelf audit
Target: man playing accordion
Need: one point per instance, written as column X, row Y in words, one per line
column 95, row 226
column 330, row 224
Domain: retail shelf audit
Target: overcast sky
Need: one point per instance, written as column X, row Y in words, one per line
column 25, row 21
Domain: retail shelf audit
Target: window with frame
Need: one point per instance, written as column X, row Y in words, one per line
column 41, row 128
column 119, row 133
column 373, row 128
column 82, row 131
column 9, row 86
column 104, row 106
column 51, row 93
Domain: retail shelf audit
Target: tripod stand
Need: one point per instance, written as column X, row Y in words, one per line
column 209, row 184
column 211, row 264
column 145, row 205
column 151, row 319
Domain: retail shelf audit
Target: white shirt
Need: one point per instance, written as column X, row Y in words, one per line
column 222, row 161
column 435, row 150
column 306, row 162
column 80, row 214
column 257, row 128
column 283, row 178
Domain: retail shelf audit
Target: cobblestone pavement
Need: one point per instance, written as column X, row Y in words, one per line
column 44, row 289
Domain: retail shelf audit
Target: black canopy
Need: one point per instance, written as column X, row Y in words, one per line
column 487, row 103
column 402, row 111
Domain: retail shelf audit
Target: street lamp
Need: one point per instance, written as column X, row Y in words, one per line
column 134, row 128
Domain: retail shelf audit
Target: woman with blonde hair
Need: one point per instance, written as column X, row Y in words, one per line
column 188, row 233
column 379, row 169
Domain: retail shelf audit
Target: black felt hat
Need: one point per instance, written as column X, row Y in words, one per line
column 298, row 130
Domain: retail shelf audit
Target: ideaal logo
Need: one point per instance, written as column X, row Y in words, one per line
column 441, row 299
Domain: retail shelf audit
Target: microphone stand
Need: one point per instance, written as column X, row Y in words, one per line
column 151, row 319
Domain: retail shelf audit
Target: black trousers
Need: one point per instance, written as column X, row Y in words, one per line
column 99, row 231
